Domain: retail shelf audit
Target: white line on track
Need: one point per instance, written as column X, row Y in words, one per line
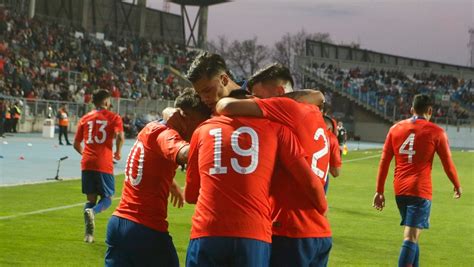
column 80, row 204
column 363, row 158
column 45, row 210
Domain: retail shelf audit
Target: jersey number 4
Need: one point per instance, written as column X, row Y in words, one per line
column 103, row 133
column 409, row 142
column 251, row 152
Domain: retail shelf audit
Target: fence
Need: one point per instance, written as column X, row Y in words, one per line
column 35, row 111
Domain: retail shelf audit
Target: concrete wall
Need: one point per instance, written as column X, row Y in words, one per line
column 35, row 124
column 369, row 126
column 460, row 137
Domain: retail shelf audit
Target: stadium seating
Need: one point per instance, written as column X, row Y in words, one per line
column 41, row 60
column 390, row 93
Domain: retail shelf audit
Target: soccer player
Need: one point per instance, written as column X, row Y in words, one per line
column 137, row 233
column 335, row 162
column 295, row 225
column 230, row 166
column 98, row 129
column 413, row 142
column 211, row 78
column 341, row 135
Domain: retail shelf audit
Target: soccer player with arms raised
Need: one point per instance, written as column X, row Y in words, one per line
column 137, row 233
column 414, row 142
column 98, row 129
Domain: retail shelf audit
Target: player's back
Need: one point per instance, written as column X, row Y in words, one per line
column 236, row 160
column 414, row 142
column 293, row 214
column 149, row 172
column 97, row 128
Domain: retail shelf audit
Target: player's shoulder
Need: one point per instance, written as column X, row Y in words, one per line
column 155, row 128
column 433, row 126
column 88, row 115
column 111, row 115
column 401, row 125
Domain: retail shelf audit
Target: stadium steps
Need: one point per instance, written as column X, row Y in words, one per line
column 331, row 87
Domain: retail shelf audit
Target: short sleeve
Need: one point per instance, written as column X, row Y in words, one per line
column 170, row 142
column 281, row 109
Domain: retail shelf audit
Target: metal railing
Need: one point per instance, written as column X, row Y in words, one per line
column 39, row 108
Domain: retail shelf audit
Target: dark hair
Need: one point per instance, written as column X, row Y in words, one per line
column 99, row 96
column 206, row 65
column 190, row 100
column 239, row 94
column 273, row 72
column 421, row 103
column 329, row 122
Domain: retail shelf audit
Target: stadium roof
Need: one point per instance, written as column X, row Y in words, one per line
column 199, row 2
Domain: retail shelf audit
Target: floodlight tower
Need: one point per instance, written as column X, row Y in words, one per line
column 201, row 16
column 471, row 46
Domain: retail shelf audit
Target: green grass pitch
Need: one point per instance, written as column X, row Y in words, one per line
column 362, row 236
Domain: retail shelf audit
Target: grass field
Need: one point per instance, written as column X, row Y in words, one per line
column 362, row 236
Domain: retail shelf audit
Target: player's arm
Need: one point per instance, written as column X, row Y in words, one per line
column 182, row 156
column 176, row 194
column 335, row 171
column 78, row 138
column 238, row 107
column 173, row 148
column 193, row 178
column 292, row 156
column 308, row 96
column 384, row 165
column 444, row 154
column 119, row 138
column 335, row 161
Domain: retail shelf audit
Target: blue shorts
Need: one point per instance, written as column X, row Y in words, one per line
column 133, row 244
column 94, row 182
column 300, row 251
column 415, row 211
column 227, row 251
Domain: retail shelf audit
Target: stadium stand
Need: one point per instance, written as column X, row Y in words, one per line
column 41, row 60
column 389, row 93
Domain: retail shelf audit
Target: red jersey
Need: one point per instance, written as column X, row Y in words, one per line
column 414, row 142
column 334, row 150
column 230, row 166
column 97, row 129
column 292, row 215
column 151, row 166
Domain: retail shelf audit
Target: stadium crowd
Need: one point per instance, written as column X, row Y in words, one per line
column 453, row 97
column 39, row 59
